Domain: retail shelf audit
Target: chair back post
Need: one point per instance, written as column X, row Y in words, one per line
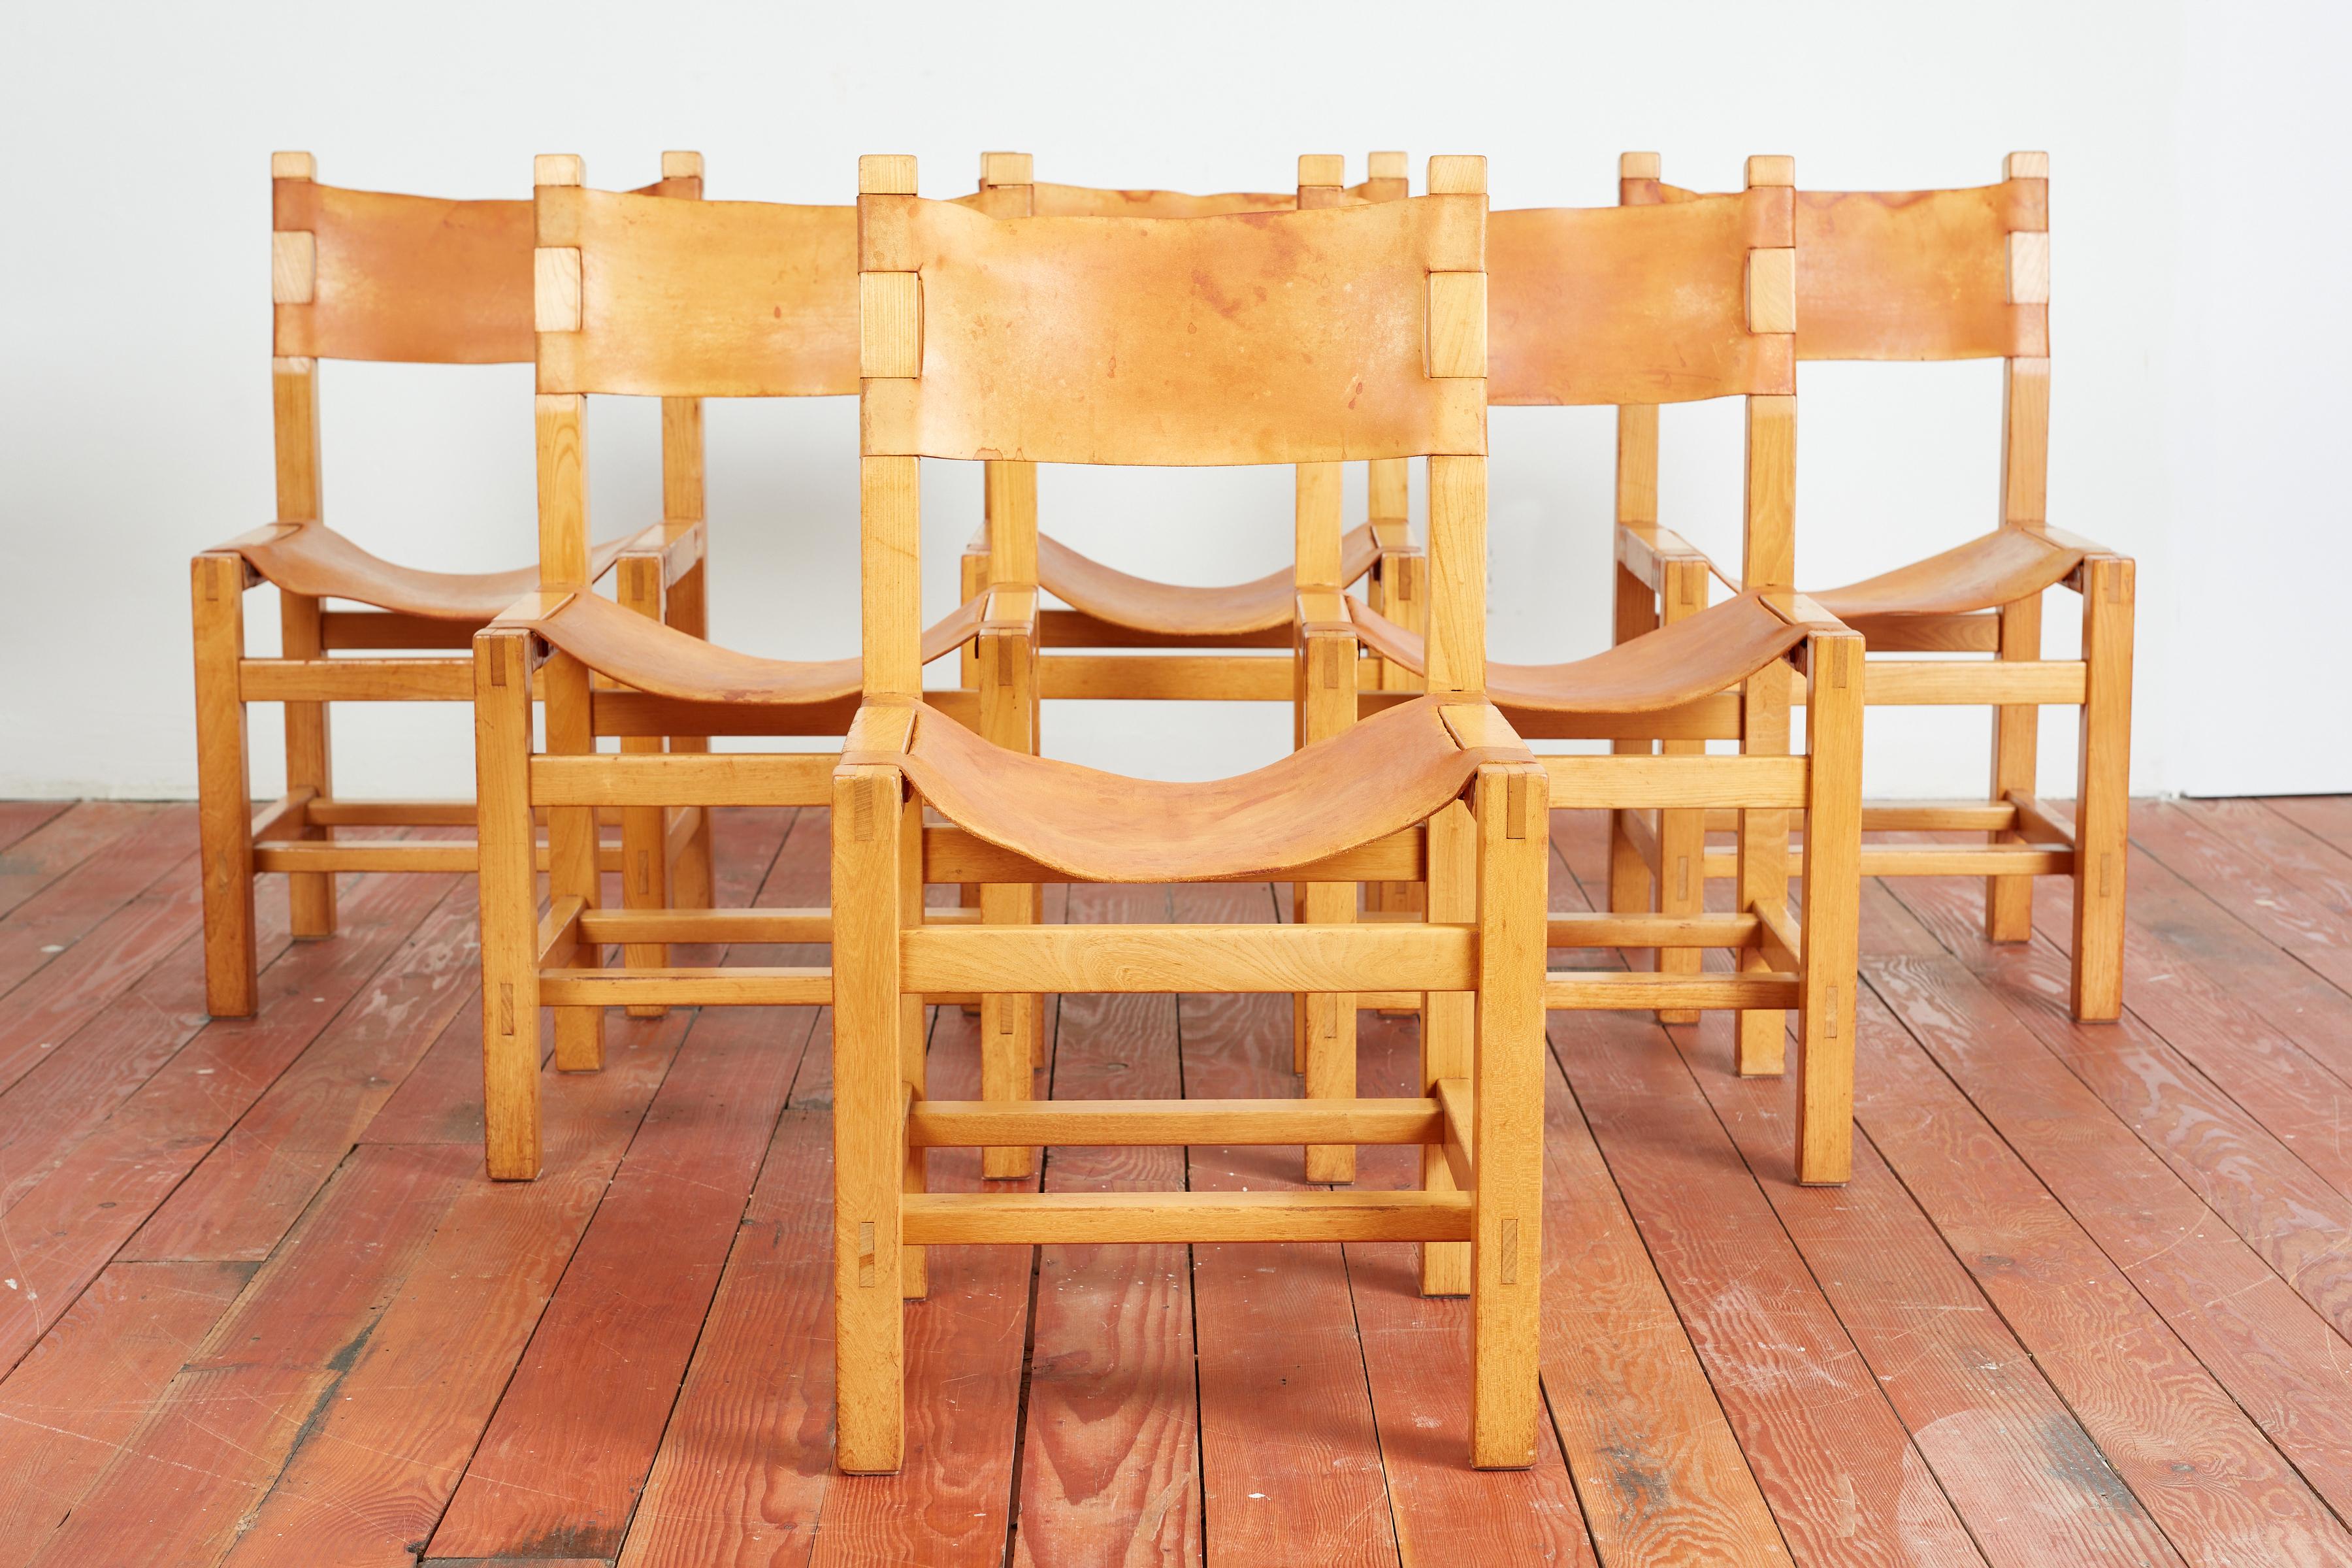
column 1637, row 423
column 1769, row 549
column 1316, row 504
column 560, row 440
column 890, row 346
column 2025, row 382
column 1388, row 494
column 1008, row 188
column 293, row 378
column 1456, row 347
column 681, row 418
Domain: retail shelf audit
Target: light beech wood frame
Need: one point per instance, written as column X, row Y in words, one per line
column 1968, row 278
column 1592, row 304
column 361, row 275
column 734, row 298
column 897, row 765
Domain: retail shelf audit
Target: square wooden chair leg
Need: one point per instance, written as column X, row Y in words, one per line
column 2101, row 802
column 310, row 895
column 224, row 788
column 1447, row 1021
column 1682, row 835
column 1832, row 912
column 1325, row 1022
column 510, row 903
column 685, row 606
column 1761, row 1046
column 572, row 855
column 2016, row 731
column 1630, row 886
column 645, row 829
column 870, row 1097
column 1508, row 1090
column 1011, row 1024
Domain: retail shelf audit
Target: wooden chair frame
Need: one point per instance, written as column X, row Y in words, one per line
column 1992, row 300
column 1487, row 1120
column 634, row 681
column 1807, row 967
column 422, row 299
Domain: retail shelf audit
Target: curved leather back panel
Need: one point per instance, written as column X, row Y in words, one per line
column 408, row 278
column 703, row 299
column 1915, row 275
column 1630, row 304
column 1087, row 201
column 1285, row 337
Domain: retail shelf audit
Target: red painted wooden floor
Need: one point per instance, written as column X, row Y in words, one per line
column 2087, row 1301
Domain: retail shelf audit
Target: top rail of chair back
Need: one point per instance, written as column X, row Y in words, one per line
column 1920, row 275
column 376, row 275
column 1633, row 304
column 661, row 299
column 1247, row 338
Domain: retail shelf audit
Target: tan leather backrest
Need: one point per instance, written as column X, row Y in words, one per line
column 1087, row 201
column 401, row 278
column 1633, row 304
column 415, row 280
column 1916, row 275
column 697, row 299
column 1278, row 337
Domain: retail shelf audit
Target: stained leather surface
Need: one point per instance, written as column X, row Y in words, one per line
column 704, row 299
column 1915, row 275
column 410, row 279
column 1109, row 594
column 312, row 559
column 415, row 278
column 1630, row 304
column 1385, row 775
column 639, row 651
column 1088, row 201
column 1134, row 341
column 1711, row 651
column 1990, row 570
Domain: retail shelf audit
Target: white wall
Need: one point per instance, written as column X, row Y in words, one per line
column 2199, row 319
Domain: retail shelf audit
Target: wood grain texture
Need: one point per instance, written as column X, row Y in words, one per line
column 1110, row 1459
column 211, row 1447
column 76, row 1400
column 373, row 1468
column 560, row 1468
column 69, row 877
column 1273, row 1323
column 2024, row 1477
column 2169, row 1425
column 65, row 1226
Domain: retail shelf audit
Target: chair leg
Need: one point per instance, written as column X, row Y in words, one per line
column 2102, row 799
column 1448, row 1018
column 572, row 870
column 1326, row 1028
column 869, row 1143
column 1832, row 908
column 1507, row 1098
column 310, row 895
column 1010, row 1023
column 224, row 788
column 1761, row 1045
column 691, row 880
column 510, row 904
column 2009, row 901
column 1682, row 835
column 645, row 829
column 1629, row 877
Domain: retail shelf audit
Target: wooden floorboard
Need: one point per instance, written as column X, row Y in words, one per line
column 2087, row 1300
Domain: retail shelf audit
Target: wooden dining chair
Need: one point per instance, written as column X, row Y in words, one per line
column 1639, row 306
column 374, row 276
column 1954, row 275
column 1266, row 339
column 1102, row 608
column 651, row 298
